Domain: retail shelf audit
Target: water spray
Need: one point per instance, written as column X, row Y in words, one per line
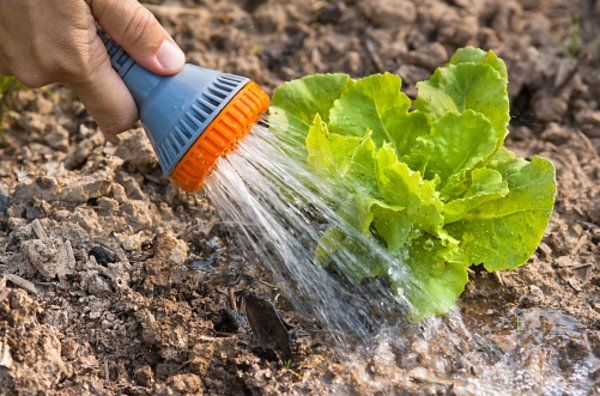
column 192, row 118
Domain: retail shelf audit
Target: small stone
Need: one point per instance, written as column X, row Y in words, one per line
column 103, row 255
column 544, row 248
column 179, row 253
column 134, row 242
column 61, row 215
column 106, row 206
column 118, row 193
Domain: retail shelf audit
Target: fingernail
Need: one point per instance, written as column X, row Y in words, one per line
column 170, row 56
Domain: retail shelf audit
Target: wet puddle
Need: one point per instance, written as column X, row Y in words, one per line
column 482, row 351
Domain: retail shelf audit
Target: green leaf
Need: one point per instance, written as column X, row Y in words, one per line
column 456, row 88
column 485, row 185
column 412, row 126
column 337, row 244
column 502, row 234
column 295, row 104
column 440, row 276
column 329, row 152
column 393, row 225
column 434, row 186
column 399, row 186
column 457, row 143
column 375, row 103
column 346, row 157
column 476, row 55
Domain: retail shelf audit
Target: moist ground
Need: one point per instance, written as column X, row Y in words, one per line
column 113, row 281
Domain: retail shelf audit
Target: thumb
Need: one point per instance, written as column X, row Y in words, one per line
column 138, row 32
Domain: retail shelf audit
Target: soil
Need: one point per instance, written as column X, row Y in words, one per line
column 113, row 281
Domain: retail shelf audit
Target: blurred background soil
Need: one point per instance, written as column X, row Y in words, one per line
column 113, row 281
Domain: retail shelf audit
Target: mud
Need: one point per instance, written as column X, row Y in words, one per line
column 113, row 281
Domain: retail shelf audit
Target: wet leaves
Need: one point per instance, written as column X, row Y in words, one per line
column 267, row 325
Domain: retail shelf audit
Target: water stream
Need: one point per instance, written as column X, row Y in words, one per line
column 281, row 209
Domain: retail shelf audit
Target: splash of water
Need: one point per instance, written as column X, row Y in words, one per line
column 281, row 210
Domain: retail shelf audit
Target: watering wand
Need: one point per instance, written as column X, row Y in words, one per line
column 191, row 118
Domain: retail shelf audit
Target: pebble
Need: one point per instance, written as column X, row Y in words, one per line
column 103, row 255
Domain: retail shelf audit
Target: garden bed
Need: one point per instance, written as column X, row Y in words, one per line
column 112, row 280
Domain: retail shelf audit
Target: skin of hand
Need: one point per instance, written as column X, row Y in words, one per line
column 48, row 41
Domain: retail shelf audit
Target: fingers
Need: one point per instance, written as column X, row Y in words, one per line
column 134, row 27
column 105, row 95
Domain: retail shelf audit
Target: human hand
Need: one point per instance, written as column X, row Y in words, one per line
column 43, row 42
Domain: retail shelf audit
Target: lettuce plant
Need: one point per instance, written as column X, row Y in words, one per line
column 429, row 179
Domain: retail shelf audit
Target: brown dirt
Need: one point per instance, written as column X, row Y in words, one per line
column 113, row 281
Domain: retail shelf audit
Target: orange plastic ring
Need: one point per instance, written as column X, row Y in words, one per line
column 220, row 137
